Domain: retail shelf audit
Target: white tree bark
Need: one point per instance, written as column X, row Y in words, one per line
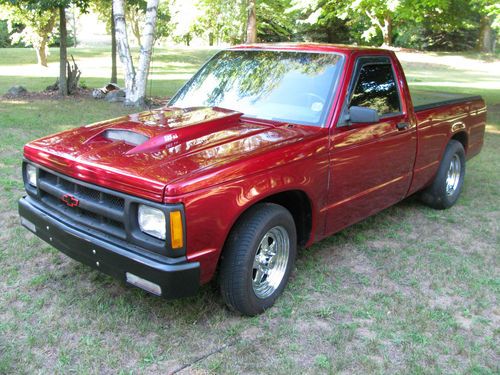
column 135, row 80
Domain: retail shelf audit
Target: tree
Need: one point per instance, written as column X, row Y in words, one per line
column 218, row 21
column 37, row 29
column 41, row 6
column 277, row 21
column 381, row 14
column 489, row 11
column 104, row 8
column 136, row 13
column 135, row 80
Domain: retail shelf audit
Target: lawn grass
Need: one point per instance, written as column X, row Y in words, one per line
column 409, row 290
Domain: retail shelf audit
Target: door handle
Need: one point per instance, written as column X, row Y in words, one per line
column 403, row 126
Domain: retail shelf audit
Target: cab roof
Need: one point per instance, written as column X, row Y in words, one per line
column 307, row 47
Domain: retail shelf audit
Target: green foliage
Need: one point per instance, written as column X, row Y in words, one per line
column 275, row 21
column 220, row 21
column 103, row 10
column 225, row 21
column 47, row 5
column 136, row 9
column 423, row 24
column 451, row 27
column 55, row 40
column 164, row 26
column 28, row 26
column 4, row 35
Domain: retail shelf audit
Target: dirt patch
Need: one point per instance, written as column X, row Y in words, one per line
column 365, row 333
column 464, row 322
column 49, row 95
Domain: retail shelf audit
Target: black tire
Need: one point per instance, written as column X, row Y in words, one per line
column 237, row 272
column 438, row 195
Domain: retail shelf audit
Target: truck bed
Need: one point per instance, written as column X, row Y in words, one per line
column 442, row 103
column 437, row 120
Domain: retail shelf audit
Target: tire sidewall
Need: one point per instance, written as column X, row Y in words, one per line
column 453, row 148
column 284, row 219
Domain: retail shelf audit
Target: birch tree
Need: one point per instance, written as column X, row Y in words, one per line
column 135, row 79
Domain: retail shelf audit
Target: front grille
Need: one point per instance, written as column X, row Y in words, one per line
column 96, row 209
column 100, row 211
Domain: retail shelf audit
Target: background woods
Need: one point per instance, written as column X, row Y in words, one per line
column 422, row 24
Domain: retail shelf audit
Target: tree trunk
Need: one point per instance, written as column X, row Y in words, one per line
column 114, row 78
column 63, row 56
column 135, row 25
column 387, row 32
column 41, row 52
column 251, row 23
column 41, row 47
column 329, row 35
column 485, row 43
column 135, row 81
column 386, row 27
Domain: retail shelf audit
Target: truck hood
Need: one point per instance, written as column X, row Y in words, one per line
column 164, row 151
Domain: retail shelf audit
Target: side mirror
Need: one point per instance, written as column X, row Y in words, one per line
column 363, row 114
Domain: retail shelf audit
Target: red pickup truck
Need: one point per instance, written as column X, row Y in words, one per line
column 266, row 148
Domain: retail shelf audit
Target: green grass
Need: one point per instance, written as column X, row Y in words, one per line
column 410, row 290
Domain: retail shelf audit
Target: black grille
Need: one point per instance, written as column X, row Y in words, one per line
column 96, row 209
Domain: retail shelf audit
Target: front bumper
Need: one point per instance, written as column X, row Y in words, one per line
column 175, row 276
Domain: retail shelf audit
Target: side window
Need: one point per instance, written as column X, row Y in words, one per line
column 376, row 88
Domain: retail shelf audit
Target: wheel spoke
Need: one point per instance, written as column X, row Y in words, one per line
column 272, row 249
column 270, row 261
column 258, row 276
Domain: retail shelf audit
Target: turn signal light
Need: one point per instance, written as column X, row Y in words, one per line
column 176, row 230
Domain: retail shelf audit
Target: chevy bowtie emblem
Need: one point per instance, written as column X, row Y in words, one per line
column 70, row 200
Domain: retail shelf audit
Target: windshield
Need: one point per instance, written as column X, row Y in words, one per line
column 285, row 86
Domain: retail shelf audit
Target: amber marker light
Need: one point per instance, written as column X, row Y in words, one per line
column 176, row 232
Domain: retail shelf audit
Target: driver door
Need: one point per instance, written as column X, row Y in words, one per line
column 370, row 163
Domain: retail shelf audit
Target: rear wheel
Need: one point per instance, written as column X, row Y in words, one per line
column 258, row 258
column 447, row 185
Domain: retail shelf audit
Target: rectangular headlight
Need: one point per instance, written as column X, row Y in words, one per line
column 152, row 221
column 31, row 174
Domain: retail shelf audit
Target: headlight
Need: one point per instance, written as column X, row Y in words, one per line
column 152, row 221
column 31, row 174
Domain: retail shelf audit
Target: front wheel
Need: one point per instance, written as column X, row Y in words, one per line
column 258, row 258
column 447, row 185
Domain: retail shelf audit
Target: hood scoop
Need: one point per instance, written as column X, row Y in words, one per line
column 127, row 136
column 164, row 128
column 208, row 122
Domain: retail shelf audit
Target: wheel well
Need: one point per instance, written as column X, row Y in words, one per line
column 462, row 138
column 297, row 202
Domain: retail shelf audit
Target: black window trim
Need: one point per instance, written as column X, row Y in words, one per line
column 361, row 62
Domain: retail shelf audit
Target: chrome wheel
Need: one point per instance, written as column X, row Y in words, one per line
column 270, row 262
column 453, row 175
